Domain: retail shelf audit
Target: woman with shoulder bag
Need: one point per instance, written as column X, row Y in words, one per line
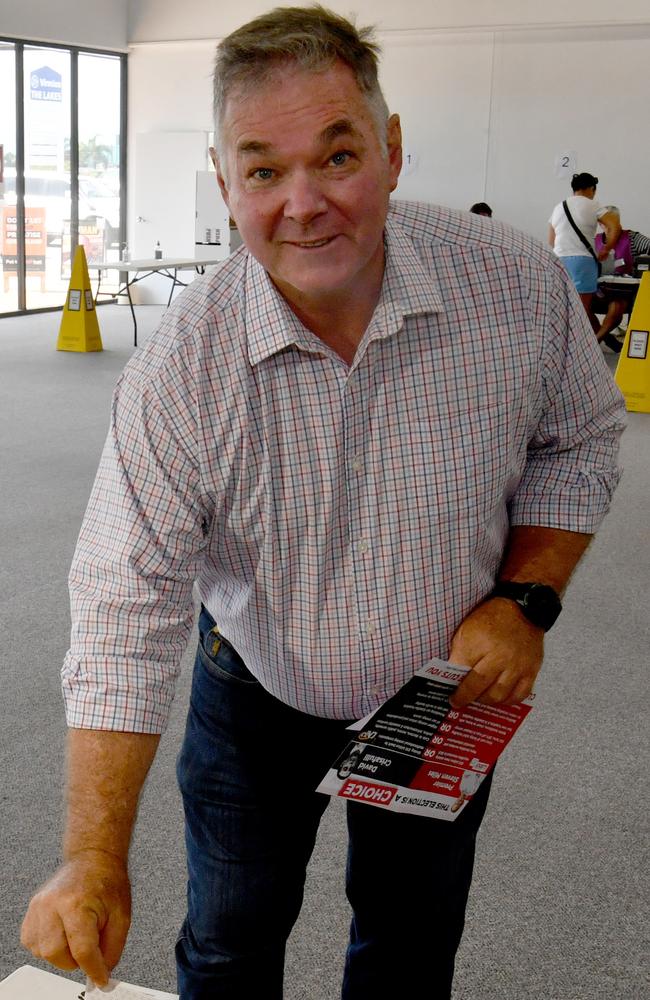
column 572, row 231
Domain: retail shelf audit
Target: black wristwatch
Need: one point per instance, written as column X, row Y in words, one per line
column 539, row 603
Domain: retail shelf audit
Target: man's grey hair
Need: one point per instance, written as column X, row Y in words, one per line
column 614, row 209
column 310, row 38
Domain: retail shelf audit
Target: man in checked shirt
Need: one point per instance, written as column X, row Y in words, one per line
column 344, row 437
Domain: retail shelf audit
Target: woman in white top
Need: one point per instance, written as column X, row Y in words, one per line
column 586, row 214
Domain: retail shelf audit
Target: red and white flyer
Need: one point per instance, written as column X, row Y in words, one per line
column 417, row 754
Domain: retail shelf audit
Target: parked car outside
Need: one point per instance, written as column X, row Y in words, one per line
column 52, row 192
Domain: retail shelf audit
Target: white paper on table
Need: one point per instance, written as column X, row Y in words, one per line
column 117, row 990
column 28, row 982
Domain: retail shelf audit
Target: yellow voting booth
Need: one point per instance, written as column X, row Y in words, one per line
column 79, row 330
column 633, row 368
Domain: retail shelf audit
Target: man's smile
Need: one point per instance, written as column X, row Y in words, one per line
column 311, row 244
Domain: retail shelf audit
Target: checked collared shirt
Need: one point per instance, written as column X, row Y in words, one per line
column 337, row 521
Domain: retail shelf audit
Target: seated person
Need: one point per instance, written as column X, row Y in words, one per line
column 481, row 208
column 615, row 302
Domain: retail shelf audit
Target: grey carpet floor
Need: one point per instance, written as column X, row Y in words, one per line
column 557, row 909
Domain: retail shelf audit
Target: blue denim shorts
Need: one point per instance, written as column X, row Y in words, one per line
column 584, row 273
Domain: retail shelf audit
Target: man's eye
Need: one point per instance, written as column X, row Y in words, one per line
column 340, row 158
column 262, row 174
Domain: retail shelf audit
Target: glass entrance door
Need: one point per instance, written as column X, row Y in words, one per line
column 47, row 102
column 62, row 167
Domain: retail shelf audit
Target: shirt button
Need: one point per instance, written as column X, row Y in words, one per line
column 370, row 628
column 376, row 690
column 363, row 546
column 357, row 463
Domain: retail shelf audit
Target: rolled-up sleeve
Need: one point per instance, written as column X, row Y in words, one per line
column 138, row 554
column 572, row 466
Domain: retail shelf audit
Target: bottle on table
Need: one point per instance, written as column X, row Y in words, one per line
column 158, row 251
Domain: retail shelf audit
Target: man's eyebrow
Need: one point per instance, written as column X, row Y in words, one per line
column 341, row 127
column 253, row 146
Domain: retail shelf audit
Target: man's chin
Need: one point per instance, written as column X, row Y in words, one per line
column 313, row 283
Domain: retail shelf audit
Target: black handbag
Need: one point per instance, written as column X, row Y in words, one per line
column 582, row 237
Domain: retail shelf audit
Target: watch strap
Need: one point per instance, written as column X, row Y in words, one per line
column 539, row 602
column 509, row 588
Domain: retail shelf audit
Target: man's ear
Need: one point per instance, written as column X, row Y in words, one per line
column 394, row 144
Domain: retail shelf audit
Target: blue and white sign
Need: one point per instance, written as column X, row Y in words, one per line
column 45, row 84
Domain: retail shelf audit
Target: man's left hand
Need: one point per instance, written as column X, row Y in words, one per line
column 503, row 649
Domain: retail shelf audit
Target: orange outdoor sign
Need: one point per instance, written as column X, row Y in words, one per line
column 35, row 238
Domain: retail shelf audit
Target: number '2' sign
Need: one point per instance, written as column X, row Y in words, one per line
column 565, row 164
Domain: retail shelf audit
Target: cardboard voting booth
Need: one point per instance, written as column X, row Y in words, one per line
column 633, row 368
column 79, row 330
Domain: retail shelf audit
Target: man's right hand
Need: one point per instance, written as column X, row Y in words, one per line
column 80, row 918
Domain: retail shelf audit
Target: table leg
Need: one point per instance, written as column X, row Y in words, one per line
column 174, row 283
column 135, row 322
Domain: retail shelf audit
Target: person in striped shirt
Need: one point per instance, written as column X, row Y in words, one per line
column 379, row 432
column 615, row 302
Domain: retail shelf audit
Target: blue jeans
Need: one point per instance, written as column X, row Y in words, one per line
column 407, row 877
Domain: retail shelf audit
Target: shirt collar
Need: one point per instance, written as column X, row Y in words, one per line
column 408, row 289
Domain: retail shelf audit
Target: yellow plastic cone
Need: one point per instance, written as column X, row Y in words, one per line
column 79, row 330
column 633, row 368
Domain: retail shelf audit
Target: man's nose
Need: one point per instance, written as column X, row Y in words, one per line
column 304, row 198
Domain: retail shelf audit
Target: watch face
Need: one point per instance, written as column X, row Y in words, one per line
column 541, row 605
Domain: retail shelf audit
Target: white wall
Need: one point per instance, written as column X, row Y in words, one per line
column 485, row 111
column 169, row 92
column 151, row 20
column 100, row 24
column 579, row 90
column 437, row 84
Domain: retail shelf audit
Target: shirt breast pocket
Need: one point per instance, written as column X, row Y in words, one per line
column 475, row 456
